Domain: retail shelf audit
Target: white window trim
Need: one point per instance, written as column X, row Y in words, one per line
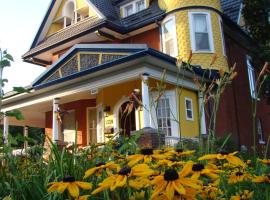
column 133, row 3
column 251, row 73
column 222, row 36
column 175, row 46
column 192, row 33
column 186, row 109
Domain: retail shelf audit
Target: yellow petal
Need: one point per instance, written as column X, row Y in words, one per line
column 62, row 187
column 196, row 175
column 73, row 190
column 53, row 187
column 187, row 169
column 208, row 157
column 142, row 170
column 179, row 187
column 99, row 189
column 235, row 160
column 169, row 192
column 135, row 160
column 84, row 185
column 159, row 188
column 84, row 197
column 89, row 172
column 121, row 181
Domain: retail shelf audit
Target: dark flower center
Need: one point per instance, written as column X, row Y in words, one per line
column 223, row 152
column 171, row 175
column 69, row 179
column 179, row 150
column 197, row 167
column 99, row 164
column 147, row 151
column 238, row 173
column 124, row 171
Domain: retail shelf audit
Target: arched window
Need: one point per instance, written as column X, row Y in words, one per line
column 69, row 13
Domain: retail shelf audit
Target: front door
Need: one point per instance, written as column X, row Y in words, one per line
column 92, row 125
column 127, row 121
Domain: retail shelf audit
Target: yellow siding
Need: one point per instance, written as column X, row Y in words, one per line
column 184, row 41
column 80, row 3
column 169, row 5
column 188, row 128
column 54, row 28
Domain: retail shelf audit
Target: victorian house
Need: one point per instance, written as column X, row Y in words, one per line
column 97, row 52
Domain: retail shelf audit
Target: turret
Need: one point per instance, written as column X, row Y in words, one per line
column 194, row 25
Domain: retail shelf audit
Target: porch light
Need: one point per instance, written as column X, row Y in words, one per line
column 106, row 110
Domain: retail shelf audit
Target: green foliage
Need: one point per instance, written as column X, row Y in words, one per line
column 256, row 14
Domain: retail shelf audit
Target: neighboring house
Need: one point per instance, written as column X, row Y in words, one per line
column 97, row 52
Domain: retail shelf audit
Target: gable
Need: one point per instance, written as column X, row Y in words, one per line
column 85, row 57
column 54, row 18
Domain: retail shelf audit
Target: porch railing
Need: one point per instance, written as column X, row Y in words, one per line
column 171, row 141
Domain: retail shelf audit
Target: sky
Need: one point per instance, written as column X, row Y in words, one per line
column 19, row 23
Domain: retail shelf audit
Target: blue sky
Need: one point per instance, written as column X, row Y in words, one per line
column 19, row 22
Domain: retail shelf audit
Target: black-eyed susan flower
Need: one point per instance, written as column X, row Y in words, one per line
column 122, row 177
column 84, row 197
column 100, row 167
column 168, row 163
column 71, row 185
column 171, row 183
column 197, row 169
column 238, row 176
column 139, row 183
column 191, row 194
column 182, row 152
column 147, row 155
column 230, row 157
column 138, row 196
column 244, row 195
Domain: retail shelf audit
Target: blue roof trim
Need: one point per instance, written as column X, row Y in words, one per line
column 149, row 51
column 43, row 24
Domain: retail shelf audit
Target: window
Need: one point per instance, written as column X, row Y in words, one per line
column 251, row 77
column 169, row 39
column 133, row 7
column 163, row 116
column 260, row 131
column 222, row 36
column 68, row 126
column 189, row 109
column 201, row 32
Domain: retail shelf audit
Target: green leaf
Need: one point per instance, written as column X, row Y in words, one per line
column 8, row 57
column 4, row 63
column 20, row 89
column 15, row 113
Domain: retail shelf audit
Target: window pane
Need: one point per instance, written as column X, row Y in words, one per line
column 167, row 29
column 129, row 10
column 140, row 5
column 169, row 47
column 188, row 104
column 189, row 114
column 200, row 23
column 202, row 41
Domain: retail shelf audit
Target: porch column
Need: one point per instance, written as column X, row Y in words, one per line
column 145, row 100
column 202, row 114
column 25, row 134
column 6, row 129
column 55, row 125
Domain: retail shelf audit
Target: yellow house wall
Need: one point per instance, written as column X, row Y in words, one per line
column 184, row 41
column 169, row 5
column 188, row 128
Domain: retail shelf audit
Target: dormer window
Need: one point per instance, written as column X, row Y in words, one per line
column 133, row 7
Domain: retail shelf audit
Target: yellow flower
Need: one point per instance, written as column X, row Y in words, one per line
column 210, row 192
column 99, row 167
column 230, row 157
column 181, row 152
column 191, row 194
column 197, row 170
column 147, row 155
column 172, row 183
column 168, row 163
column 139, row 183
column 261, row 179
column 120, row 179
column 71, row 185
column 238, row 176
column 244, row 195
